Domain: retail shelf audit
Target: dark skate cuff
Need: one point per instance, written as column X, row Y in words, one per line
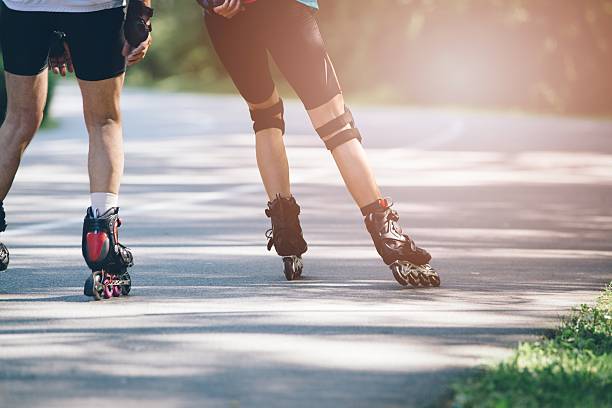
column 377, row 206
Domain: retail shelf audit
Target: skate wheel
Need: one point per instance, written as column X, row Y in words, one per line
column 423, row 279
column 95, row 290
column 292, row 267
column 4, row 257
column 125, row 289
column 116, row 288
column 88, row 287
column 413, row 279
column 398, row 274
column 107, row 291
column 431, row 275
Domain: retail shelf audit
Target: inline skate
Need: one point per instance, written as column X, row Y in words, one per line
column 286, row 235
column 409, row 263
column 105, row 256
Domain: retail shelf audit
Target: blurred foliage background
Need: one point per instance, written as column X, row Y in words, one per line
column 535, row 55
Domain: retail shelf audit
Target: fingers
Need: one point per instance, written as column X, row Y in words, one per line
column 62, row 64
column 229, row 8
column 137, row 54
column 222, row 8
column 58, row 66
column 68, row 57
column 126, row 49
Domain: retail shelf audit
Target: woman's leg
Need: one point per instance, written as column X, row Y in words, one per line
column 243, row 53
column 271, row 155
column 350, row 156
column 299, row 51
column 241, row 50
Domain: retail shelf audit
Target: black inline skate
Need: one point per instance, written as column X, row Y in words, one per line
column 4, row 253
column 105, row 256
column 408, row 262
column 286, row 235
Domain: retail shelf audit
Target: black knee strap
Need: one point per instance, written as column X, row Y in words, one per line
column 335, row 125
column 2, row 218
column 267, row 118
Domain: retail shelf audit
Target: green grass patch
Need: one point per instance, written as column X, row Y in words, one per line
column 571, row 368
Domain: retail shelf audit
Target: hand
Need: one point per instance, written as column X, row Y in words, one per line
column 134, row 56
column 229, row 8
column 61, row 64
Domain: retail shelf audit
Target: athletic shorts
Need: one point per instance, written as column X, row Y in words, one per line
column 95, row 40
column 289, row 32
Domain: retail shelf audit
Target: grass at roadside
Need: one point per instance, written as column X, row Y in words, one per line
column 571, row 368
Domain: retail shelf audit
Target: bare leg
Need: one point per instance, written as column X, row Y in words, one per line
column 271, row 155
column 101, row 107
column 26, row 100
column 350, row 157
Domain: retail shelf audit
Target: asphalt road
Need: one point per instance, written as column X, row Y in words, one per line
column 517, row 211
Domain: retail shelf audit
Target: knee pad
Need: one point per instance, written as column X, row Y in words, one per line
column 2, row 218
column 334, row 126
column 267, row 118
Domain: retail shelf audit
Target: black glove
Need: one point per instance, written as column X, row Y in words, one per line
column 210, row 4
column 137, row 23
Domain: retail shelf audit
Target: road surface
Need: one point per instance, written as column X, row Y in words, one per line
column 516, row 210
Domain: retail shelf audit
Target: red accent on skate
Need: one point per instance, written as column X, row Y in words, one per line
column 97, row 246
column 383, row 203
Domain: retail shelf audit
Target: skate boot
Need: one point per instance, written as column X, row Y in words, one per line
column 286, row 235
column 105, row 256
column 4, row 253
column 408, row 262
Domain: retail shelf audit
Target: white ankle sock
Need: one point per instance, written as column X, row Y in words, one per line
column 102, row 202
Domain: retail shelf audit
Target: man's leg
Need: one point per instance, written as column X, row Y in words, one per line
column 26, row 101
column 101, row 107
column 96, row 42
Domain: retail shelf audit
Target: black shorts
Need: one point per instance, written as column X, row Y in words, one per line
column 95, row 40
column 289, row 32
